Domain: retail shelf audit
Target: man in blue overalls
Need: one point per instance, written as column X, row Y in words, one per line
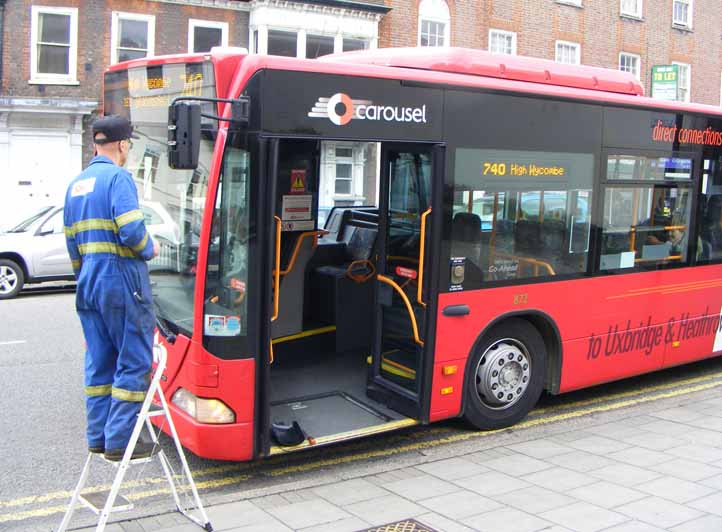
column 109, row 246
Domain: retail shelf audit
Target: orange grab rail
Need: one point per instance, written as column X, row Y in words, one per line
column 396, row 287
column 422, row 251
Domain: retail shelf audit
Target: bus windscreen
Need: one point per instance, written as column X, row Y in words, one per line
column 172, row 201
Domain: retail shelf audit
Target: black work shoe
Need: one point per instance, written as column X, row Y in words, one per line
column 142, row 450
column 100, row 449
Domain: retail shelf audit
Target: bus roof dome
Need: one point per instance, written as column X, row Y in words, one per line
column 482, row 63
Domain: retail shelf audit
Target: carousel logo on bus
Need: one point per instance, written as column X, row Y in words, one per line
column 341, row 109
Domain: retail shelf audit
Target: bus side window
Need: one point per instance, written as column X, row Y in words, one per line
column 709, row 214
column 648, row 225
column 534, row 223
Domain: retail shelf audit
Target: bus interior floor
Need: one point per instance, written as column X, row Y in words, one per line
column 325, row 392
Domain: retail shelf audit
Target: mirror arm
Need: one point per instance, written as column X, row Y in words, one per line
column 240, row 107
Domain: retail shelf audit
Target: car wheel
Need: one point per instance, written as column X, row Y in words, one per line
column 506, row 375
column 11, row 279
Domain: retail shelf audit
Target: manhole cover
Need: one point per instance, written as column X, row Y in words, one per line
column 407, row 525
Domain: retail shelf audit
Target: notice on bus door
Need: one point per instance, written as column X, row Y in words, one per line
column 296, row 213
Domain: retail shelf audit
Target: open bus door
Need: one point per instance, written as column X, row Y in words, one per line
column 402, row 355
column 344, row 355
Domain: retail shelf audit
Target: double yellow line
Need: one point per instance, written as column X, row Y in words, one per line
column 572, row 410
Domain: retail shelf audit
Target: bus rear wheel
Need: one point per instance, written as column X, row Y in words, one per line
column 506, row 375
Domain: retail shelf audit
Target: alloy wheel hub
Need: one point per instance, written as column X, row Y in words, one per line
column 503, row 374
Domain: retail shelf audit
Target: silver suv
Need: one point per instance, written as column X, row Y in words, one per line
column 34, row 251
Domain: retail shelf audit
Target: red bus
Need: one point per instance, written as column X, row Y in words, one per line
column 392, row 237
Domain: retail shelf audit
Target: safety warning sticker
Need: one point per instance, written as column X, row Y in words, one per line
column 298, row 181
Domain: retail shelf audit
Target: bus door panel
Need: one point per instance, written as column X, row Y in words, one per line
column 295, row 206
column 401, row 321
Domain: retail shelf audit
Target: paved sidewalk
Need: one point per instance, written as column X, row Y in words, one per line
column 660, row 471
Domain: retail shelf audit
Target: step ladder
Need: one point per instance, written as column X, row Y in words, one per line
column 103, row 503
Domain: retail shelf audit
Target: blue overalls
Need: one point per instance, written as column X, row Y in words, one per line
column 108, row 246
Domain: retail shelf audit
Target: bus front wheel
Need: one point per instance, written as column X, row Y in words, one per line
column 506, row 375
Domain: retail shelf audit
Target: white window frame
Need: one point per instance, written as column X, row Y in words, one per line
column 503, row 33
column 690, row 11
column 638, row 73
column 575, row 3
column 351, row 161
column 633, row 14
column 688, row 88
column 114, row 34
column 444, row 19
column 575, row 45
column 71, row 78
column 194, row 23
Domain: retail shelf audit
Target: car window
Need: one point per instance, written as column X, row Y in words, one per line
column 54, row 224
column 23, row 226
column 150, row 215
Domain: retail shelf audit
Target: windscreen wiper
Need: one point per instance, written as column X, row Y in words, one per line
column 163, row 327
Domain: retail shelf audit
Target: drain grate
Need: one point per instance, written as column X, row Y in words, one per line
column 407, row 525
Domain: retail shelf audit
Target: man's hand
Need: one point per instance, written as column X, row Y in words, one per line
column 156, row 248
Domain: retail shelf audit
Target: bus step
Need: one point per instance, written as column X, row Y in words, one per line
column 95, row 500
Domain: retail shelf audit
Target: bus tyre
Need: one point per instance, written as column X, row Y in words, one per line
column 11, row 279
column 506, row 375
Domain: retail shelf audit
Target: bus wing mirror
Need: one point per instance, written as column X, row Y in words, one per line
column 184, row 135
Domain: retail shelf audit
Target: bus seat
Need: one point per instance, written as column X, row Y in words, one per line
column 466, row 236
column 336, row 297
column 553, row 233
column 528, row 238
column 291, row 296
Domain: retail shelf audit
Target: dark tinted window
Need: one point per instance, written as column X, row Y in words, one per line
column 282, row 43
column 709, row 212
column 206, row 38
column 318, row 45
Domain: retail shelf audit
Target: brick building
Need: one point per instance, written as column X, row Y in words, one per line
column 54, row 53
column 633, row 35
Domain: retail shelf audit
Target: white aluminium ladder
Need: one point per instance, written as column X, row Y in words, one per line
column 103, row 502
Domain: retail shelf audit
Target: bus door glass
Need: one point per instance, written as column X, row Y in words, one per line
column 401, row 309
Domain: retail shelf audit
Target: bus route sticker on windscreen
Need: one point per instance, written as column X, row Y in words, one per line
column 222, row 325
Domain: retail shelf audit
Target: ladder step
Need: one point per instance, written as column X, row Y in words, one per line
column 95, row 500
column 132, row 462
column 156, row 413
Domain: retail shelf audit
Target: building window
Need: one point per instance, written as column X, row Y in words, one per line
column 568, row 53
column 282, row 43
column 344, row 171
column 630, row 63
column 682, row 13
column 54, row 45
column 631, row 8
column 502, row 42
column 683, row 81
column 434, row 22
column 132, row 36
column 205, row 34
column 318, row 45
column 350, row 45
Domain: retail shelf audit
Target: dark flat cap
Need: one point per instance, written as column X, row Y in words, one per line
column 113, row 128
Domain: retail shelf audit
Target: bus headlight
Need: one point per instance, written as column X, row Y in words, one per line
column 203, row 410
